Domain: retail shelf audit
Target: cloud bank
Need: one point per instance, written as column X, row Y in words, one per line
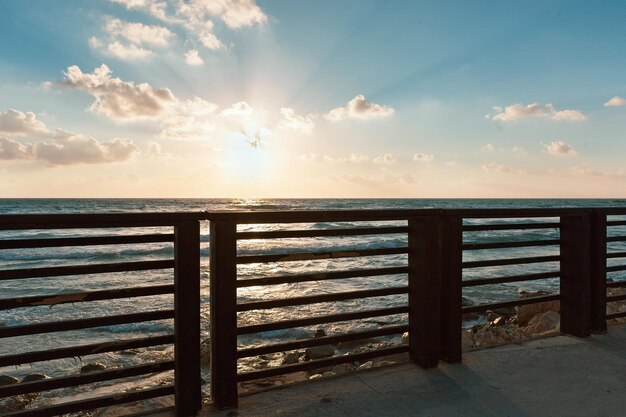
column 518, row 111
column 60, row 147
column 359, row 108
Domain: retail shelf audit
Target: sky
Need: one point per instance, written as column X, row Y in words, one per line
column 325, row 98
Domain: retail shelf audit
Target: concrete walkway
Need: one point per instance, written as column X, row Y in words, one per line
column 555, row 376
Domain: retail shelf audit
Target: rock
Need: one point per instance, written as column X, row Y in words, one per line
column 499, row 321
column 526, row 312
column 386, row 363
column 16, row 402
column 352, row 344
column 264, row 383
column 92, row 367
column 320, row 333
column 315, row 376
column 205, row 352
column 341, row 369
column 492, row 316
column 405, row 338
column 8, row 380
column 467, row 339
column 291, row 358
column 35, row 377
column 544, row 322
column 327, row 374
column 366, row 365
column 319, row 352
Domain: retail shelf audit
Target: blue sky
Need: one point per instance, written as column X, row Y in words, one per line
column 244, row 98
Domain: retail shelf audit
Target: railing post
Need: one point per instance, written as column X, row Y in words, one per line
column 451, row 237
column 575, row 275
column 224, row 314
column 598, row 272
column 424, row 291
column 188, row 391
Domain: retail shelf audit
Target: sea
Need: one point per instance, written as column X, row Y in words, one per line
column 32, row 258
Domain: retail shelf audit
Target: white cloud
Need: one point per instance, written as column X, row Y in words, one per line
column 197, row 16
column 68, row 148
column 240, row 108
column 308, row 157
column 384, row 159
column 291, row 120
column 352, row 158
column 71, row 148
column 489, row 147
column 235, row 13
column 189, row 119
column 359, row 108
column 117, row 99
column 193, row 58
column 154, row 149
column 95, row 43
column 18, row 123
column 138, row 33
column 358, row 157
column 560, row 148
column 493, row 167
column 210, row 41
column 451, row 163
column 518, row 150
column 156, row 8
column 423, row 157
column 545, row 111
column 13, row 150
column 616, row 102
column 128, row 52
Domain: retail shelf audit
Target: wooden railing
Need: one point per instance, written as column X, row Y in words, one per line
column 185, row 311
column 433, row 261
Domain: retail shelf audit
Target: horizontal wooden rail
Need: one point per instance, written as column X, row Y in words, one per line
column 616, row 239
column 321, row 276
column 98, row 402
column 616, row 315
column 281, row 234
column 312, row 321
column 611, row 255
column 320, row 341
column 85, row 350
column 511, row 278
column 57, row 271
column 616, row 268
column 616, row 223
column 310, row 256
column 509, row 226
column 61, row 326
column 511, row 261
column 614, row 298
column 96, row 220
column 616, row 284
column 513, row 303
column 85, row 241
column 320, row 363
column 314, row 216
column 75, row 297
column 322, row 298
column 504, row 245
column 515, row 213
column 85, row 378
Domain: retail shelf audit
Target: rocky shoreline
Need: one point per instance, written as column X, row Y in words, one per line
column 498, row 327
